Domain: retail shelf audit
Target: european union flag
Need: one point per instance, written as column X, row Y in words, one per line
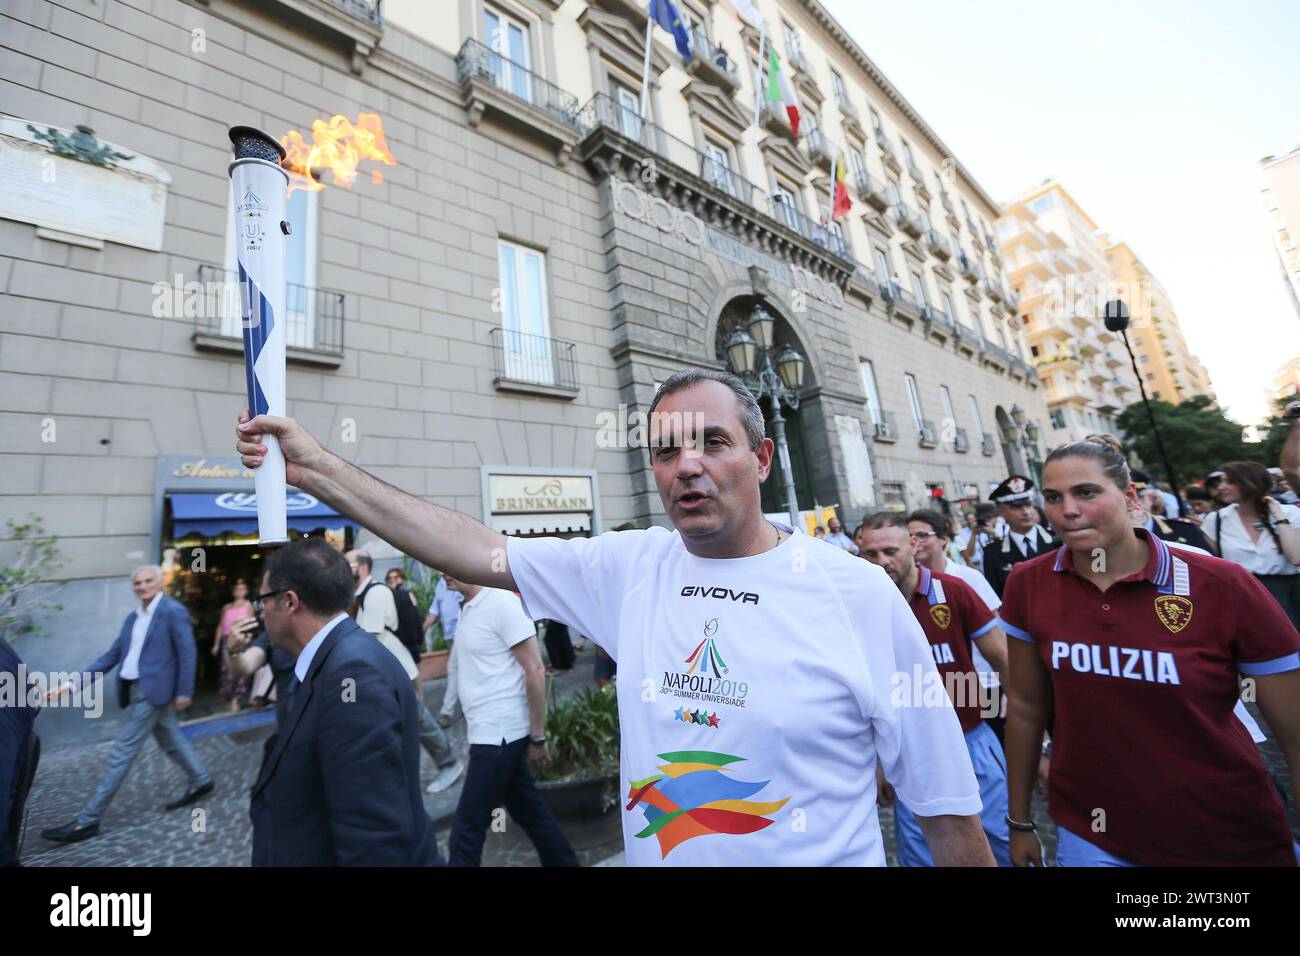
column 664, row 13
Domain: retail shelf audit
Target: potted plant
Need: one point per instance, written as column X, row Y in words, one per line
column 433, row 662
column 581, row 781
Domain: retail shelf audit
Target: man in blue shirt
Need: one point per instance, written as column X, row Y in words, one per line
column 446, row 608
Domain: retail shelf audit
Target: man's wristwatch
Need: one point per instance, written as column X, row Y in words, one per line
column 537, row 741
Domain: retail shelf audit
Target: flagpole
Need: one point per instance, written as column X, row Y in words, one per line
column 758, row 99
column 645, row 74
column 830, row 204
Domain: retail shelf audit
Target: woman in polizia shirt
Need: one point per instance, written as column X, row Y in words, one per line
column 1256, row 530
column 1138, row 647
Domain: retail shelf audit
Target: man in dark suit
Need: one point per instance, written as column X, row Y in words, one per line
column 1024, row 537
column 156, row 659
column 341, row 784
column 17, row 750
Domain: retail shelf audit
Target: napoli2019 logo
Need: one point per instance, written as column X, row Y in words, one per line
column 710, row 657
column 692, row 796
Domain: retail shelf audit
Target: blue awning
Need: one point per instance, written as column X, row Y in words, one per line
column 235, row 512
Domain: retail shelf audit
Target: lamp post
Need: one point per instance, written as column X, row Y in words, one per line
column 1116, row 319
column 750, row 355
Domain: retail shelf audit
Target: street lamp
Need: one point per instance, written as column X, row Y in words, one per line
column 750, row 356
column 1116, row 320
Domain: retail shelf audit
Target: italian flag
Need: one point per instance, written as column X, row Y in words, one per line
column 779, row 91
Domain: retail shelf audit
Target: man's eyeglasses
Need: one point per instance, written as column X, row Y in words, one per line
column 258, row 601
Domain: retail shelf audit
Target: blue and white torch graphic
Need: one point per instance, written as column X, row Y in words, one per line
column 261, row 187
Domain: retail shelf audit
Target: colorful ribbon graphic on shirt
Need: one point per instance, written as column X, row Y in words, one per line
column 693, row 796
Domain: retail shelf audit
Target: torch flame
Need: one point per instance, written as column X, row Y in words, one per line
column 338, row 146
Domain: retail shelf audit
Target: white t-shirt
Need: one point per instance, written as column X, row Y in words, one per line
column 1257, row 557
column 378, row 615
column 756, row 696
column 980, row 585
column 489, row 679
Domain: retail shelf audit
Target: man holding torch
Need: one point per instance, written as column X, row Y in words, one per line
column 789, row 718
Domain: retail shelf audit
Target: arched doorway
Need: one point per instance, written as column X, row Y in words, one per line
column 736, row 315
column 1010, row 451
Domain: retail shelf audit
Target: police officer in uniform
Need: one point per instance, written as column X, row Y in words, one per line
column 1025, row 538
column 1168, row 529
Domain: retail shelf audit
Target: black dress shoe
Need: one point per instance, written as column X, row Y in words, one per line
column 191, row 796
column 70, row 833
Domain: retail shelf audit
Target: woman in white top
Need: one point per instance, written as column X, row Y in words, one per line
column 1256, row 531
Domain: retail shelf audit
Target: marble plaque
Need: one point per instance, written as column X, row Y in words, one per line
column 124, row 203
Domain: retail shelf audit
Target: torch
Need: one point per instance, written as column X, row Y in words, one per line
column 261, row 185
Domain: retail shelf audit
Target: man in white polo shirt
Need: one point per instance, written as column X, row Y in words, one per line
column 751, row 728
column 375, row 611
column 501, row 682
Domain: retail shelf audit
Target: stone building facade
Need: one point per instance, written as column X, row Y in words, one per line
column 467, row 328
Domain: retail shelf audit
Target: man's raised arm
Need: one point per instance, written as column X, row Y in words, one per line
column 439, row 537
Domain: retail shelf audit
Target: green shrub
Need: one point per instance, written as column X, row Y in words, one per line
column 582, row 735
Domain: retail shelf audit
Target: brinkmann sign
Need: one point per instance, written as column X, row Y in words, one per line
column 531, row 494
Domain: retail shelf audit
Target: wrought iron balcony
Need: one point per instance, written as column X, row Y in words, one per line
column 369, row 10
column 535, row 362
column 712, row 61
column 313, row 318
column 886, row 428
column 993, row 289
column 926, row 435
column 601, row 112
column 517, row 97
column 909, row 220
column 892, row 291
column 887, row 154
column 938, row 245
column 986, row 445
column 960, row 441
column 874, row 193
column 817, row 147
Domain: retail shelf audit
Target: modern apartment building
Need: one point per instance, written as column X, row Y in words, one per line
column 481, row 325
column 1169, row 369
column 1281, row 195
column 1058, row 268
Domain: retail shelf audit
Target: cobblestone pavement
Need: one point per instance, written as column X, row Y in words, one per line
column 136, row 831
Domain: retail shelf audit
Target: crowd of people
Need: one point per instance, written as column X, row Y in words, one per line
column 1096, row 646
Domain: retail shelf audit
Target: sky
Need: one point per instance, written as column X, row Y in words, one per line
column 1154, row 114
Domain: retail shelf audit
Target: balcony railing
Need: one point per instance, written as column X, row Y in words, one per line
column 313, row 318
column 887, row 154
column 533, row 359
column 818, row 148
column 476, row 61
column 846, row 108
column 369, row 10
column 925, row 434
column 894, row 294
column 946, row 200
column 909, row 220
column 938, row 245
column 714, row 58
column 986, row 445
column 886, row 428
column 874, row 193
column 960, row 441
column 993, row 289
column 603, row 111
column 798, row 61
